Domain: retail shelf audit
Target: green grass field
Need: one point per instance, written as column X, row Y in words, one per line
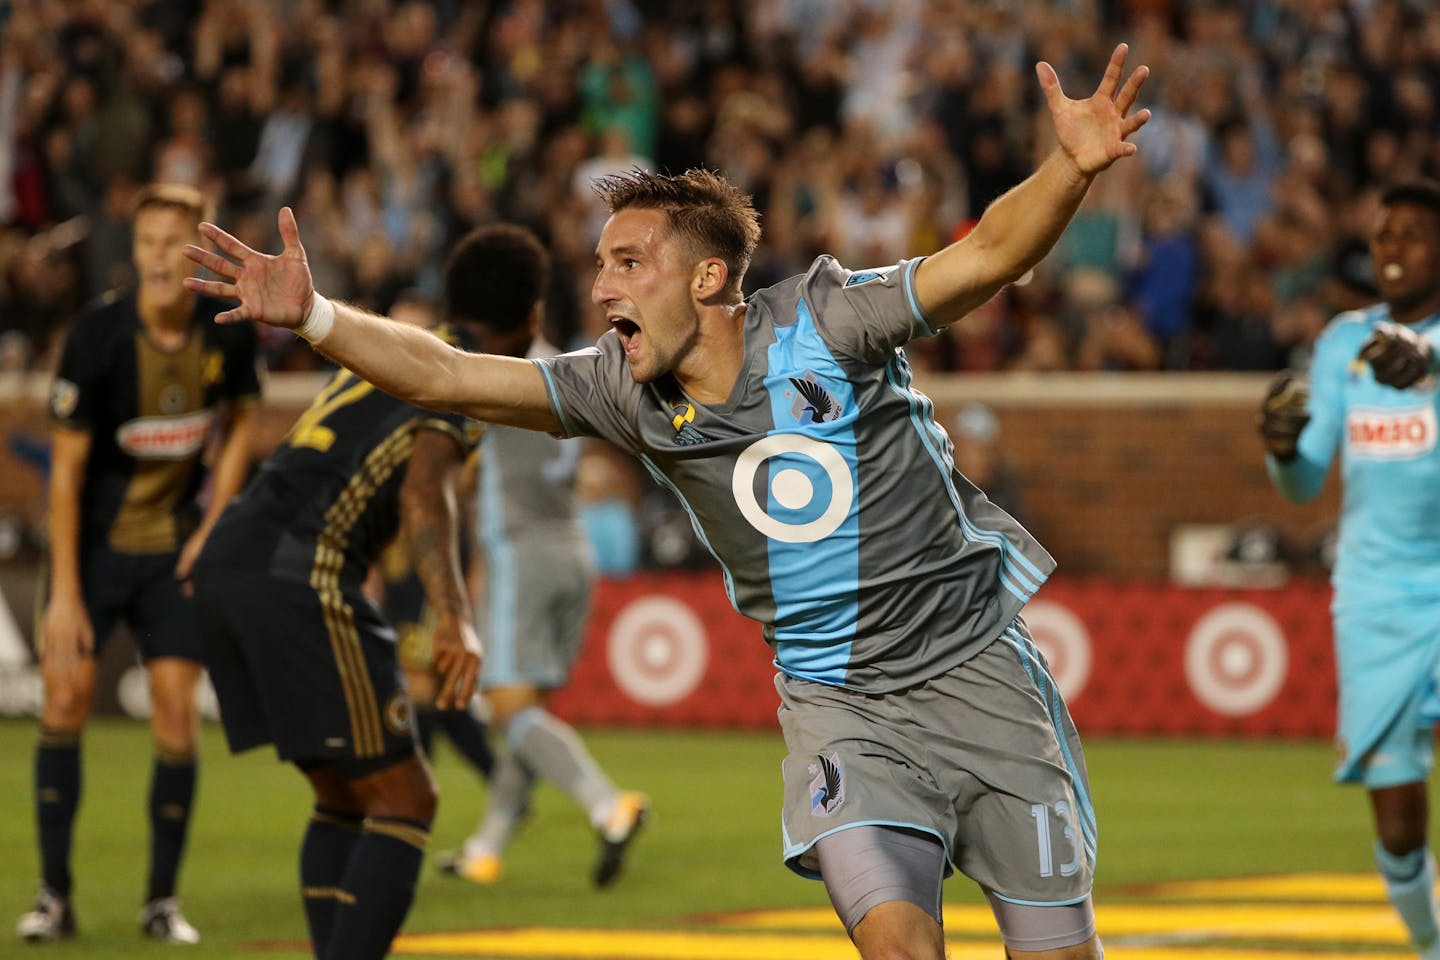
column 1169, row 810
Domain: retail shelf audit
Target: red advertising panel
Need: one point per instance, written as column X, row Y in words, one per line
column 1132, row 658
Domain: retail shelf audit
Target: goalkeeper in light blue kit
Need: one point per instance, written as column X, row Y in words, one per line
column 1372, row 395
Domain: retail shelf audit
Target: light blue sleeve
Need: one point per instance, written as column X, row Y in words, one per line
column 1301, row 480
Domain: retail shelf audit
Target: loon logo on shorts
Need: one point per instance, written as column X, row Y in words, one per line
column 1375, row 433
column 827, row 790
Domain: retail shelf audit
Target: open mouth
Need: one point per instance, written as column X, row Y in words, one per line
column 629, row 332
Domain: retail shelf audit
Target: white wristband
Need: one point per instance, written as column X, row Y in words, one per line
column 318, row 321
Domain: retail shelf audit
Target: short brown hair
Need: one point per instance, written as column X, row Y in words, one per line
column 173, row 196
column 715, row 217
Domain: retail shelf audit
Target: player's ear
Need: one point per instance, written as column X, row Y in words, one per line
column 711, row 276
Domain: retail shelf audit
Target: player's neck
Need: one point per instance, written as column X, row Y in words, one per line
column 169, row 323
column 1414, row 313
column 713, row 365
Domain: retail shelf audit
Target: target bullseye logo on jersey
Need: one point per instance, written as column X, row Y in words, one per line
column 1375, row 433
column 1236, row 659
column 810, row 487
column 657, row 650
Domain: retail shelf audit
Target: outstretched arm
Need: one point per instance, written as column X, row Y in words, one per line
column 430, row 517
column 401, row 359
column 1019, row 228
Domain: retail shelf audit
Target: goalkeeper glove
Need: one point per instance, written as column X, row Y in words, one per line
column 1283, row 414
column 1398, row 356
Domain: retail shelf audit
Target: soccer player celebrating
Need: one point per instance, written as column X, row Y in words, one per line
column 537, row 578
column 924, row 730
column 145, row 380
column 1371, row 394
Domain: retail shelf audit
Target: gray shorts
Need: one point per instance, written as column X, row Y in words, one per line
column 984, row 758
column 531, row 615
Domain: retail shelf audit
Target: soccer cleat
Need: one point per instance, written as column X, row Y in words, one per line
column 482, row 868
column 161, row 920
column 52, row 919
column 626, row 818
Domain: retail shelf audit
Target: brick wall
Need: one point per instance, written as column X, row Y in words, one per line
column 1108, row 465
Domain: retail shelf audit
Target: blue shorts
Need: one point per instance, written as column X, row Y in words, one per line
column 1386, row 661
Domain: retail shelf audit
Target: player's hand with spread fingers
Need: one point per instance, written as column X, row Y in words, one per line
column 1398, row 356
column 272, row 289
column 455, row 655
column 1284, row 414
column 1095, row 132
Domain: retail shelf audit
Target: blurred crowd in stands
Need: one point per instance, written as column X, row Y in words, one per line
column 873, row 129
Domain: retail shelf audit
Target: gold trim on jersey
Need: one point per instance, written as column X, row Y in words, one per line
column 168, row 384
column 366, row 726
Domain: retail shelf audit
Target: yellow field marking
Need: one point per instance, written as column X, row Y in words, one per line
column 1308, row 923
column 1328, row 887
column 1355, row 916
column 562, row 944
column 628, row 944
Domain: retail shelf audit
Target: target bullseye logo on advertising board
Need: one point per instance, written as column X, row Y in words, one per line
column 657, row 650
column 1132, row 658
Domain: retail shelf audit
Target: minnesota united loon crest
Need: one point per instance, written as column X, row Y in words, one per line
column 827, row 790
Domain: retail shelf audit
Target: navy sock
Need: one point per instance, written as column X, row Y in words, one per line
column 426, row 719
column 324, row 854
column 468, row 734
column 378, row 888
column 172, row 794
column 57, row 797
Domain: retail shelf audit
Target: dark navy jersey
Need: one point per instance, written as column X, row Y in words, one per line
column 326, row 503
column 150, row 413
column 823, row 484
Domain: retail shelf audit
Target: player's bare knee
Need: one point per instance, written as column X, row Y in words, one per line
column 67, row 704
column 405, row 790
column 1402, row 835
column 891, row 943
column 1401, row 817
column 332, row 790
column 1089, row 950
column 174, row 725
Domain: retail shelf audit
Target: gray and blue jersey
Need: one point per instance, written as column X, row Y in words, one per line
column 526, row 489
column 538, row 573
column 823, row 485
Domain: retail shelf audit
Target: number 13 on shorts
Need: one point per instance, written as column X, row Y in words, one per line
column 1064, row 811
